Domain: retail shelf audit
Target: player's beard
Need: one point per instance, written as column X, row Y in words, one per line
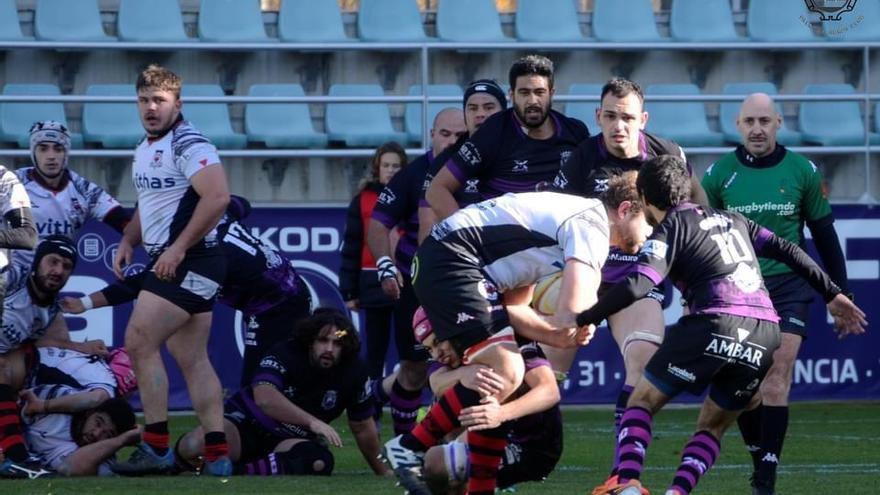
column 522, row 114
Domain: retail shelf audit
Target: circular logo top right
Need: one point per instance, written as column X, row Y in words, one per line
column 830, row 10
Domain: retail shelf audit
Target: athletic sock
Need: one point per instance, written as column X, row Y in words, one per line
column 441, row 419
column 11, row 439
column 750, row 428
column 635, row 428
column 156, row 436
column 215, row 445
column 774, row 425
column 404, row 407
column 619, row 408
column 486, row 449
column 697, row 457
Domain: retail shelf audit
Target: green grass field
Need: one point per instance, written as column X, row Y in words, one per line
column 831, row 447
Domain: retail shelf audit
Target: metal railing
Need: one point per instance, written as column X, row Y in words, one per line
column 424, row 49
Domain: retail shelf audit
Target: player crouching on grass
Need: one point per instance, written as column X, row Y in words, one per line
column 535, row 439
column 726, row 342
column 280, row 424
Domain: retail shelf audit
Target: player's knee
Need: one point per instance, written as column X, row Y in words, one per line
column 435, row 465
column 189, row 446
column 776, row 387
column 309, row 458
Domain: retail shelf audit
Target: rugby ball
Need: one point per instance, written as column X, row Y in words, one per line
column 546, row 294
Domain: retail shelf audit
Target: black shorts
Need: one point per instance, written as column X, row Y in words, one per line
column 730, row 353
column 196, row 283
column 532, row 460
column 791, row 296
column 407, row 347
column 464, row 307
column 256, row 441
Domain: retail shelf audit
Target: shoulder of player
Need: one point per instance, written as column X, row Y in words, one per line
column 800, row 163
column 722, row 167
column 662, row 146
column 185, row 135
column 575, row 126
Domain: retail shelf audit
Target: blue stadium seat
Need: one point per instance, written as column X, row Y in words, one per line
column 212, row 119
column 833, row 123
column 312, row 21
column 16, row 118
column 390, row 21
column 469, row 21
column 153, row 21
column 69, row 20
column 112, row 125
column 779, row 20
column 412, row 117
column 702, row 20
column 10, row 29
column 547, row 21
column 729, row 111
column 850, row 28
column 583, row 110
column 360, row 124
column 621, row 22
column 231, row 21
column 683, row 122
column 281, row 125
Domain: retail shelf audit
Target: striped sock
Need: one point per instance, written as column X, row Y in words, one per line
column 215, row 445
column 404, row 407
column 11, row 439
column 265, row 466
column 441, row 419
column 633, row 441
column 619, row 409
column 697, row 457
column 156, row 436
column 486, row 448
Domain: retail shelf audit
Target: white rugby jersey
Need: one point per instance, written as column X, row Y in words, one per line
column 49, row 437
column 12, row 197
column 62, row 212
column 22, row 319
column 161, row 174
column 519, row 238
column 73, row 368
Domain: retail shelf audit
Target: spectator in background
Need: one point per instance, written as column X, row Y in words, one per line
column 359, row 280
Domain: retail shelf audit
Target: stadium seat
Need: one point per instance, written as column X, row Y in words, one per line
column 112, row 125
column 729, row 111
column 702, row 20
column 681, row 121
column 153, row 21
column 360, row 124
column 547, row 21
column 312, row 21
column 469, row 21
column 16, row 118
column 412, row 117
column 281, row 125
column 850, row 28
column 231, row 21
column 390, row 21
column 833, row 123
column 212, row 119
column 69, row 20
column 10, row 29
column 583, row 110
column 622, row 22
column 779, row 20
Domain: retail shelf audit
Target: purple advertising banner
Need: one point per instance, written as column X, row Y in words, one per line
column 827, row 368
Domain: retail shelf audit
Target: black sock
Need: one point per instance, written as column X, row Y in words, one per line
column 750, row 427
column 774, row 427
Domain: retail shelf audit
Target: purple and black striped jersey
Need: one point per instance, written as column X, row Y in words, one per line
column 322, row 393
column 398, row 205
column 711, row 256
column 586, row 171
column 505, row 159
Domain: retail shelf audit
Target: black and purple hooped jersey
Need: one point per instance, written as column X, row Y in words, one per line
column 324, row 394
column 505, row 159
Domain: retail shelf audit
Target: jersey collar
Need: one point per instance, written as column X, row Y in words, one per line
column 35, row 176
column 750, row 160
column 643, row 149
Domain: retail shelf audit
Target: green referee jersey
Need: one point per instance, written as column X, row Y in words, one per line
column 780, row 192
